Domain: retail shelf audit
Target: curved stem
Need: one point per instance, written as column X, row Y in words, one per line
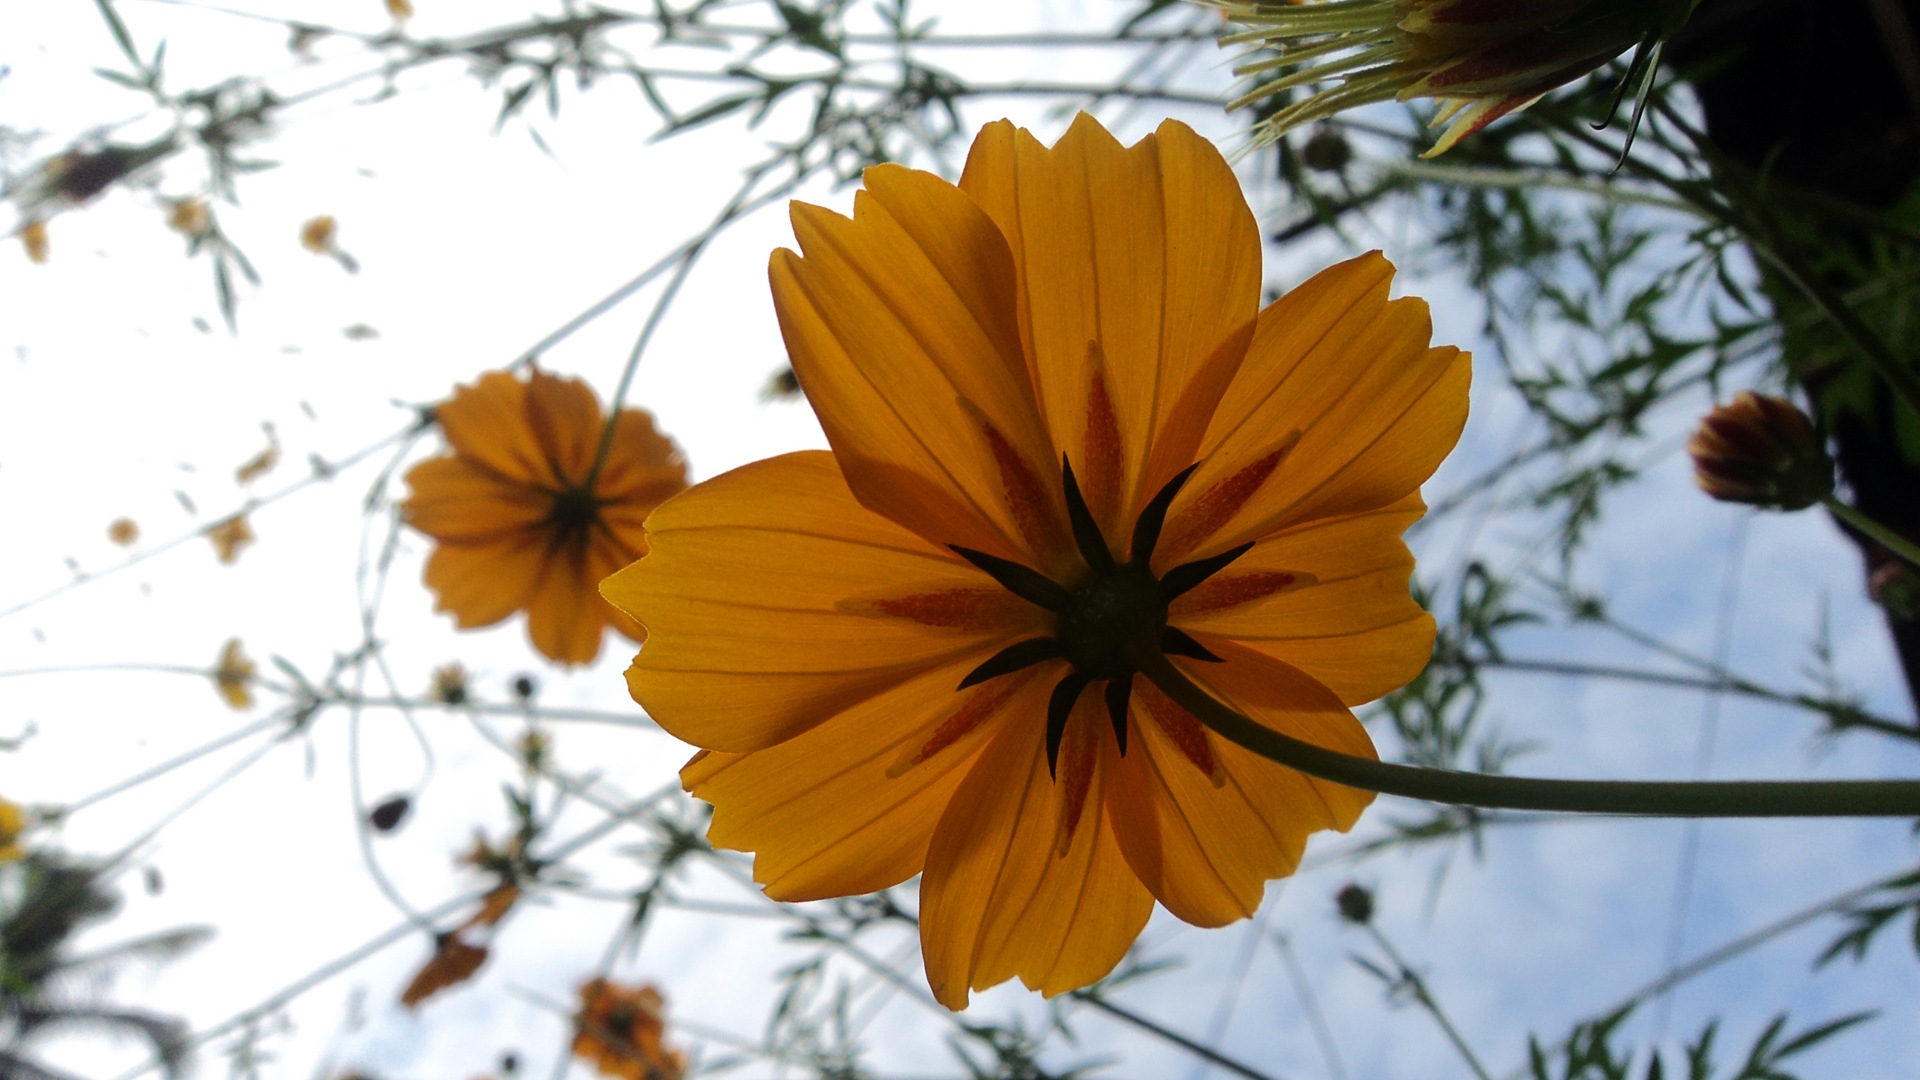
column 1748, row 798
column 1879, row 533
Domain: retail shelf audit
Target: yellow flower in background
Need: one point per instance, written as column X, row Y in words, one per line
column 124, row 531
column 191, row 218
column 33, row 237
column 912, row 655
column 1482, row 59
column 620, row 1030
column 234, row 675
column 230, row 537
column 400, row 9
column 13, row 822
column 318, row 233
column 521, row 522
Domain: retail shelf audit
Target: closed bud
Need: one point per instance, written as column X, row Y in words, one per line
column 1762, row 451
column 389, row 814
column 1355, row 903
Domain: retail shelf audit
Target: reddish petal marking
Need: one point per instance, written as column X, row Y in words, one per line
column 1221, row 592
column 1076, row 779
column 1026, row 496
column 977, row 709
column 1186, row 733
column 1103, row 464
column 950, row 609
column 1209, row 512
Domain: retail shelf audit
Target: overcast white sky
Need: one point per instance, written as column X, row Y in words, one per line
column 122, row 389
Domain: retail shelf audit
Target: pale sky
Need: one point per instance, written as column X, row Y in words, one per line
column 122, row 392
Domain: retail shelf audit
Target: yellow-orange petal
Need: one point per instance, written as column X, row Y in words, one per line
column 488, row 423
column 482, row 583
column 565, row 418
column 756, row 595
column 902, row 325
column 1375, row 406
column 1351, row 624
column 1148, row 251
column 566, row 617
column 1207, row 844
column 827, row 813
column 644, row 467
column 998, row 899
column 454, row 498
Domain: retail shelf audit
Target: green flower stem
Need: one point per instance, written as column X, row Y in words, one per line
column 1748, row 798
column 1879, row 533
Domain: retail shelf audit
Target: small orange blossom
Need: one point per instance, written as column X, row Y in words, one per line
column 620, row 1028
column 520, row 519
column 916, row 654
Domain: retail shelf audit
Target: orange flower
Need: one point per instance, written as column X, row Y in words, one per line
column 13, row 822
column 524, row 520
column 33, row 237
column 619, row 1029
column 318, row 233
column 230, row 538
column 234, row 677
column 887, row 651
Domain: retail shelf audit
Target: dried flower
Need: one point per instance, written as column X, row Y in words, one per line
column 234, row 676
column 619, row 1029
column 1763, row 451
column 190, row 218
column 318, row 233
column 124, row 532
column 231, row 537
column 450, row 684
column 453, row 962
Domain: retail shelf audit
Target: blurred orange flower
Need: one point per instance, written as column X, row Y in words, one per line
column 620, row 1029
column 317, row 234
column 123, row 531
column 13, row 822
column 190, row 218
column 231, row 537
column 234, row 677
column 33, row 237
column 916, row 655
column 523, row 519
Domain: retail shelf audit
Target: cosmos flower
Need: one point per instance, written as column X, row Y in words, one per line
column 523, row 520
column 619, row 1029
column 1065, row 437
column 1482, row 58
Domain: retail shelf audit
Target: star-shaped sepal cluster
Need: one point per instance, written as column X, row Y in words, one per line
column 1106, row 622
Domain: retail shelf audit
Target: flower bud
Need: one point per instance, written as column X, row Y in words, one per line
column 1763, row 451
column 1355, row 903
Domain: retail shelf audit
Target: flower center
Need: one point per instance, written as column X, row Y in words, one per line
column 1118, row 614
column 1111, row 617
column 574, row 509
